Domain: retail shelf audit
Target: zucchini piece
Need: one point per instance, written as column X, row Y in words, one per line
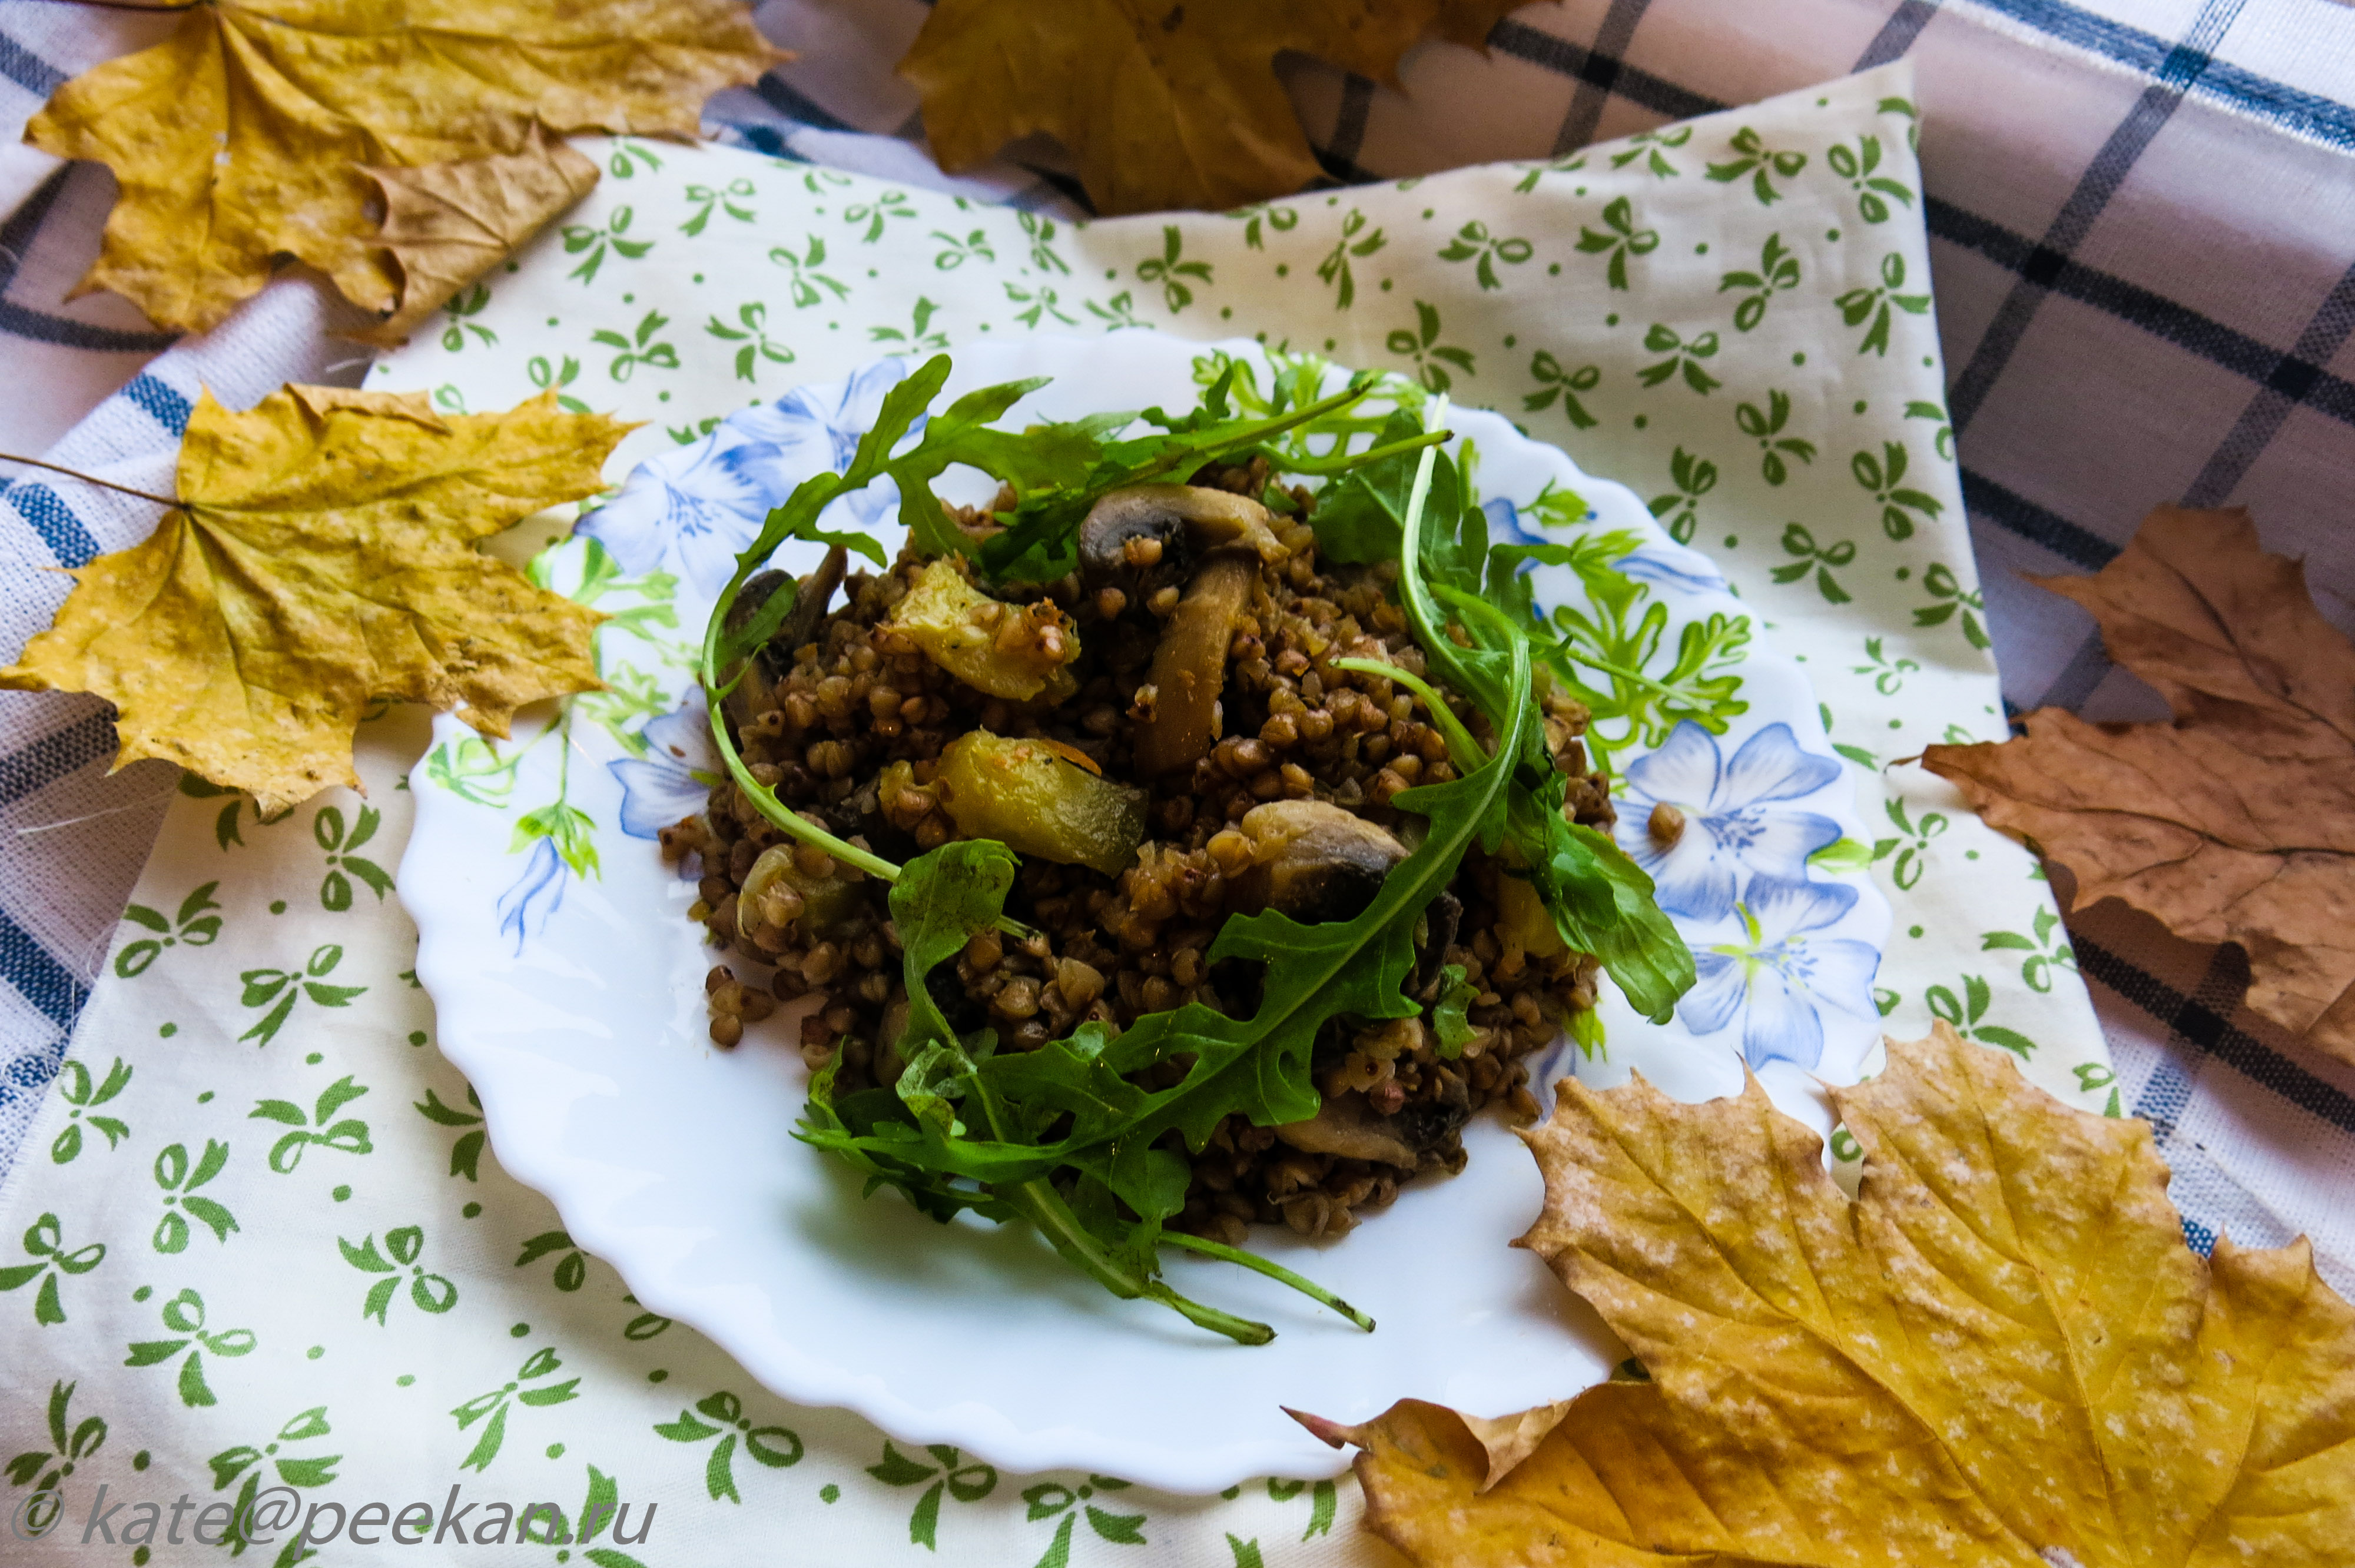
column 1010, row 650
column 1036, row 802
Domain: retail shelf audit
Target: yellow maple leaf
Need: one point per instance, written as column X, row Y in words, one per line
column 248, row 134
column 322, row 557
column 1164, row 103
column 2002, row 1353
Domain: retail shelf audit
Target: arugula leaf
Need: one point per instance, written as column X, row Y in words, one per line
column 1601, row 901
column 1034, row 460
column 1042, row 543
column 1448, row 1015
column 1360, row 518
column 919, row 1144
column 941, row 901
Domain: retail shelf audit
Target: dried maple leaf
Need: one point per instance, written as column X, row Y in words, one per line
column 1164, row 103
column 249, row 134
column 2234, row 823
column 447, row 224
column 322, row 557
column 2000, row 1353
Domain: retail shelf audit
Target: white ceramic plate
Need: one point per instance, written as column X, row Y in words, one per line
column 569, row 985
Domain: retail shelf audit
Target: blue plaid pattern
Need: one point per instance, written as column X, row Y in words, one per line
column 2249, row 410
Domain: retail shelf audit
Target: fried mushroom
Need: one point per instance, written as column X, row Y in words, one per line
column 1314, row 860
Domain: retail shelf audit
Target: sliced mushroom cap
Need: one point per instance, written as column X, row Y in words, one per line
column 811, row 595
column 750, row 692
column 816, row 592
column 1441, row 918
column 1346, row 1127
column 1190, row 665
column 1314, row 860
column 1181, row 520
column 751, row 599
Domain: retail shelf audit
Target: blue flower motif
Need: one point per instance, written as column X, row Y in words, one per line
column 1504, row 526
column 691, row 512
column 1779, row 979
column 674, row 778
column 525, row 907
column 817, row 429
column 1672, row 568
column 1730, row 830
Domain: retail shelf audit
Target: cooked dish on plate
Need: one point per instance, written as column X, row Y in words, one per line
column 1193, row 838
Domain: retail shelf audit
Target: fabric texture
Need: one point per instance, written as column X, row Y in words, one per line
column 2142, row 230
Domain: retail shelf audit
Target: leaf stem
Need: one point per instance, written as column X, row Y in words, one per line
column 1462, row 749
column 1272, row 1269
column 1342, row 463
column 794, row 825
column 789, row 823
column 1256, row 435
column 75, row 472
column 1045, row 1208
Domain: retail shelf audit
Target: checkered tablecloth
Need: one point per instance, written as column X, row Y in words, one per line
column 2142, row 216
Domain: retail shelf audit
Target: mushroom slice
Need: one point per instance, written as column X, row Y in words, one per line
column 1314, row 860
column 1346, row 1127
column 1129, row 530
column 1428, row 1124
column 815, row 592
column 753, row 681
column 1190, row 665
column 1441, row 918
column 807, row 607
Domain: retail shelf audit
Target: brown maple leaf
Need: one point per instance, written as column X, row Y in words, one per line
column 322, row 556
column 1164, row 103
column 249, row 134
column 2235, row 823
column 2001, row 1354
column 446, row 224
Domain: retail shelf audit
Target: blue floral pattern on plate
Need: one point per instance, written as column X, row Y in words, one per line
column 674, row 778
column 694, row 518
column 1732, row 828
column 1673, row 566
column 534, row 897
column 1777, row 978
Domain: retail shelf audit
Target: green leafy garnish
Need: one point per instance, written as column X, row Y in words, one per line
column 1448, row 1019
column 1041, row 538
column 1028, row 1125
column 1032, row 460
column 1063, row 1136
column 1601, row 901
